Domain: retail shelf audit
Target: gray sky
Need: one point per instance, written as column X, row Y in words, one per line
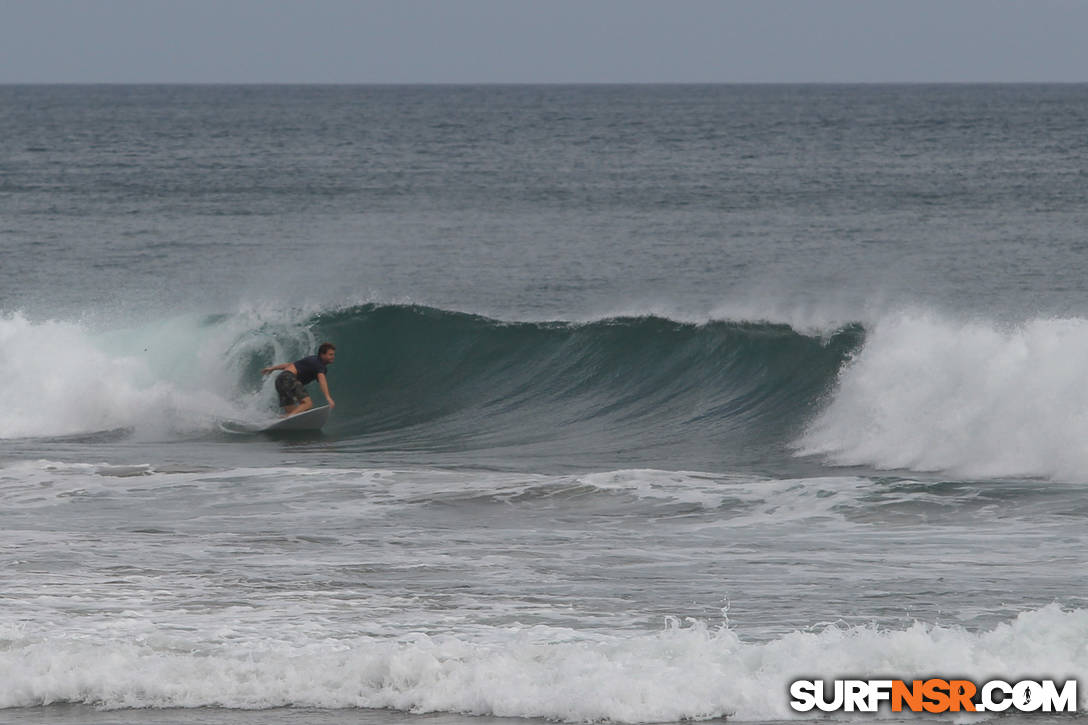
column 533, row 41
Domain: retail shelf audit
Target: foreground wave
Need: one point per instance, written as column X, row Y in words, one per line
column 683, row 672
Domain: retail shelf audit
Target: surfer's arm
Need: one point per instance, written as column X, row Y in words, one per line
column 274, row 368
column 324, row 383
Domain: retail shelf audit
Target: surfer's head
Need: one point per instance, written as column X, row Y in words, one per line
column 327, row 352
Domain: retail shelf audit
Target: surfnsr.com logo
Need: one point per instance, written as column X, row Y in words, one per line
column 934, row 695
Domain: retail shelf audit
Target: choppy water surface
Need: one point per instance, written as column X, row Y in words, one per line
column 649, row 399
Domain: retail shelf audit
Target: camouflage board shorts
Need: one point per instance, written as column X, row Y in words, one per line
column 290, row 389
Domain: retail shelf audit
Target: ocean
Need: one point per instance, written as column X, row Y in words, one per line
column 650, row 400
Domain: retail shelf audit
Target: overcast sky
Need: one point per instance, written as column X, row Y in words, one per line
column 542, row 41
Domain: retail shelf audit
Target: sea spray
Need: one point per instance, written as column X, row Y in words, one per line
column 973, row 398
column 171, row 376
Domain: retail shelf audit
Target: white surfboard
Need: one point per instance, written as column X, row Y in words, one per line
column 311, row 420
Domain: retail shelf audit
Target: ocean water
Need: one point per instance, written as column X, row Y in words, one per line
column 649, row 399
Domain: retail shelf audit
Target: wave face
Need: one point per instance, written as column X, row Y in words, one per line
column 636, row 386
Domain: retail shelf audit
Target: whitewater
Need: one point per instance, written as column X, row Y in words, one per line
column 650, row 400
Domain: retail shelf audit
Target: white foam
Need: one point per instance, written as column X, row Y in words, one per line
column 971, row 398
column 751, row 500
column 64, row 378
column 680, row 672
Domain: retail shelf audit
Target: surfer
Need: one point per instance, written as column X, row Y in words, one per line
column 295, row 376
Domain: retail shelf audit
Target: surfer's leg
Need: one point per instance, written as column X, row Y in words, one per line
column 290, row 391
column 293, row 397
column 302, row 407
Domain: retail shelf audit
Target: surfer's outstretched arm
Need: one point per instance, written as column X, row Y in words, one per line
column 324, row 383
column 274, row 368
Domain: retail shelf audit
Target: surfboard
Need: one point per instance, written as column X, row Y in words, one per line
column 310, row 420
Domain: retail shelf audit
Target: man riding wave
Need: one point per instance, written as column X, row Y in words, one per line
column 296, row 375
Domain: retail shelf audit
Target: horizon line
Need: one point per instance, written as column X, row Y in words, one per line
column 546, row 83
